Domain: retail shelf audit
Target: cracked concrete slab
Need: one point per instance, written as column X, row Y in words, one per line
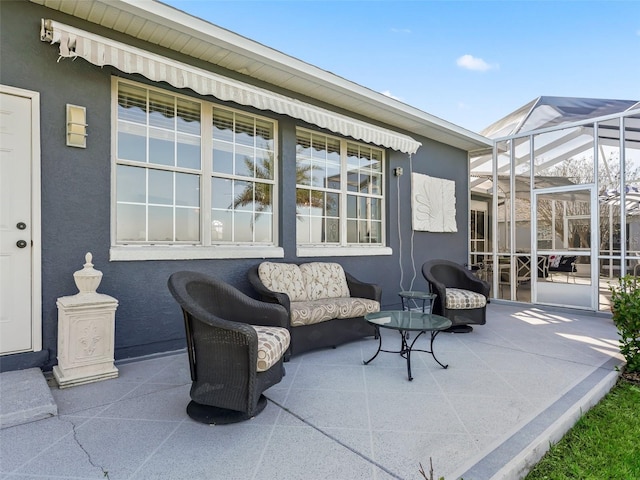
column 24, row 397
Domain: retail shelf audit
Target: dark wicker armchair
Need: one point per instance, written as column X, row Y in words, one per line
column 226, row 353
column 462, row 297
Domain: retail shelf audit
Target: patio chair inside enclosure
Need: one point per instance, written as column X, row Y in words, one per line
column 325, row 304
column 461, row 296
column 564, row 264
column 235, row 346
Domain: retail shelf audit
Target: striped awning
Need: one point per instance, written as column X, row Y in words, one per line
column 103, row 51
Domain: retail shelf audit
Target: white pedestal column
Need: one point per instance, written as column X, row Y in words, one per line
column 86, row 331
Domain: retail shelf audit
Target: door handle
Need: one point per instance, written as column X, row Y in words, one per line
column 21, row 243
column 21, row 225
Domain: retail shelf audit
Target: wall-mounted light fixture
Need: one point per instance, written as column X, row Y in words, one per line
column 76, row 126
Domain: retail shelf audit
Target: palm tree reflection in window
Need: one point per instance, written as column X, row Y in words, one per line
column 260, row 194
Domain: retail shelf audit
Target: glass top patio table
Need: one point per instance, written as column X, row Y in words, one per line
column 407, row 295
column 406, row 321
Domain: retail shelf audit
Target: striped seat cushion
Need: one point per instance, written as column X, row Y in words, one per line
column 458, row 299
column 272, row 343
column 316, row 311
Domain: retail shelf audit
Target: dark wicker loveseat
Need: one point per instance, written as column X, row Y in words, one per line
column 235, row 346
column 322, row 312
column 462, row 297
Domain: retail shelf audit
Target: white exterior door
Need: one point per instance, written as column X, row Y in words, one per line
column 19, row 288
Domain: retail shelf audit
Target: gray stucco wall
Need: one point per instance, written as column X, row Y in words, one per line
column 76, row 190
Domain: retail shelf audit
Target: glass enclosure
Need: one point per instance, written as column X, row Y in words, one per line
column 555, row 207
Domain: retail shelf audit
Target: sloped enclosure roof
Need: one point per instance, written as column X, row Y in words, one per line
column 544, row 112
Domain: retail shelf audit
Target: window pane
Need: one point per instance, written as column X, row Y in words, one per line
column 333, row 176
column 364, row 210
column 222, row 157
column 303, row 172
column 353, row 180
column 319, row 147
column 264, row 164
column 244, row 162
column 244, row 130
column 161, row 147
column 352, row 231
column 264, row 197
column 376, row 209
column 319, row 174
column 160, row 224
column 132, row 104
column 131, row 184
column 375, row 230
column 221, row 193
column 365, row 157
column 222, row 125
column 317, row 229
column 132, row 142
column 332, row 204
column 131, row 225
column 365, row 182
column 264, row 134
column 243, row 196
column 160, row 187
column 333, row 150
column 263, row 224
column 303, row 147
column 353, row 156
column 303, row 234
column 333, row 230
column 161, row 110
column 376, row 160
column 187, row 224
column 376, row 184
column 189, row 152
column 187, row 190
column 352, row 206
column 221, row 226
column 303, row 201
column 243, row 227
column 188, row 117
column 364, row 231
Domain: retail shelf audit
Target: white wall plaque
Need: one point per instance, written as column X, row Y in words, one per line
column 433, row 204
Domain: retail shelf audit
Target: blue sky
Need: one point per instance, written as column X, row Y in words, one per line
column 469, row 63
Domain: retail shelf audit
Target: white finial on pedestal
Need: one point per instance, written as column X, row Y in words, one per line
column 87, row 279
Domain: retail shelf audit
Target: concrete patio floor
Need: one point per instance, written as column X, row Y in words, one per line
column 513, row 386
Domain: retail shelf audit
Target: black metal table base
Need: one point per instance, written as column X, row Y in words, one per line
column 406, row 349
column 221, row 416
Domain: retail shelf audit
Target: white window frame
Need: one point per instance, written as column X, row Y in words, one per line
column 205, row 248
column 344, row 249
